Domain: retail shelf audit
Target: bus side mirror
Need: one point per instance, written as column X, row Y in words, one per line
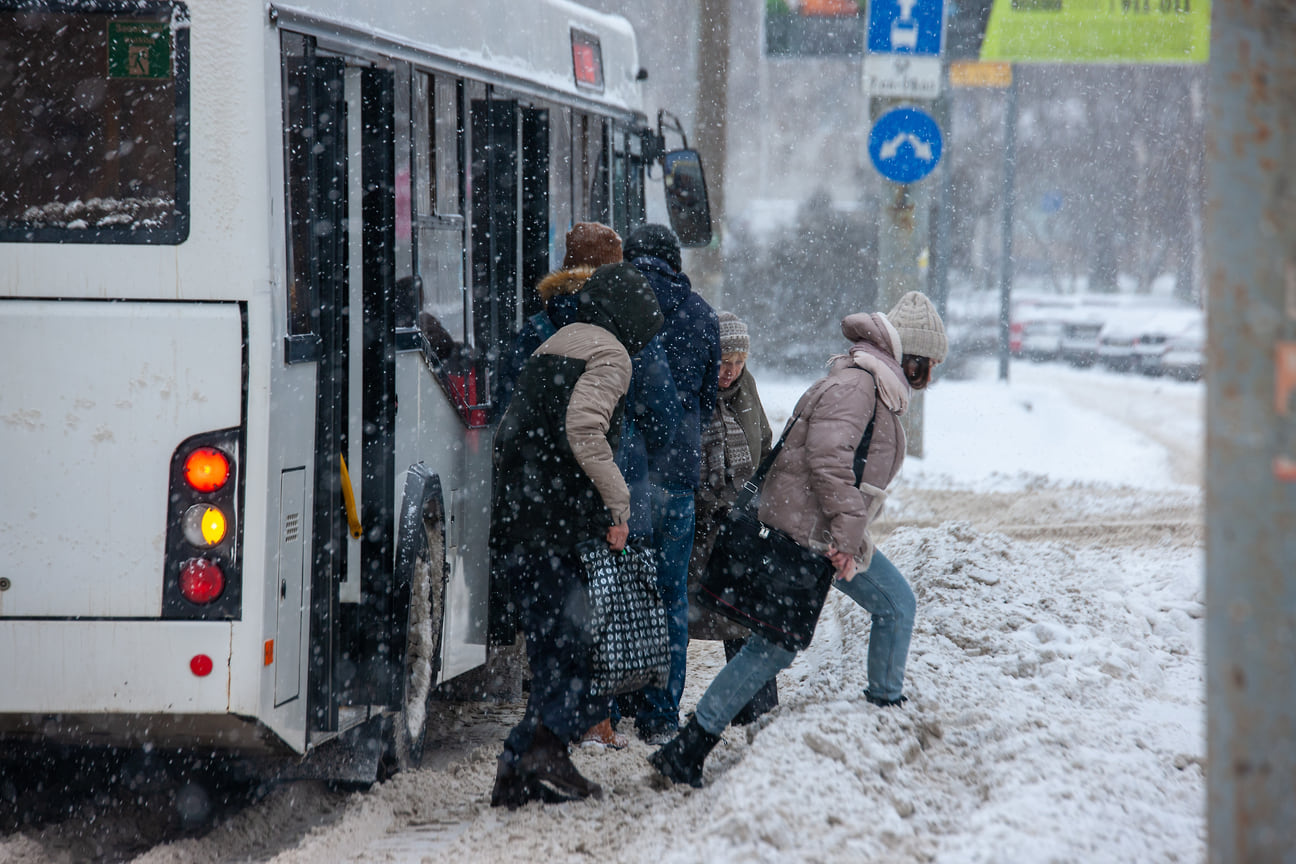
column 686, row 197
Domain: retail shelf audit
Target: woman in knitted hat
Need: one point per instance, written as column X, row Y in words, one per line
column 841, row 449
column 734, row 441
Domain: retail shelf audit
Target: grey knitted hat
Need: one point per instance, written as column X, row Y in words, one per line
column 733, row 335
column 920, row 328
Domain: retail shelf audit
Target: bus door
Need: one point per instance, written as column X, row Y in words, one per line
column 341, row 210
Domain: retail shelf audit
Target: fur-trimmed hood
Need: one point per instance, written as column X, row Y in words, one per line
column 562, row 282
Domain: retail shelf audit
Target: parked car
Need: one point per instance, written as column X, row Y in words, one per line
column 1153, row 338
column 1079, row 345
column 1116, row 341
column 1184, row 354
column 1035, row 331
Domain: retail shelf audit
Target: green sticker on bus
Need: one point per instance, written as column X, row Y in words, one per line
column 1098, row 31
column 139, row 49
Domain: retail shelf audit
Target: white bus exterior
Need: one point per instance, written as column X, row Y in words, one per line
column 229, row 223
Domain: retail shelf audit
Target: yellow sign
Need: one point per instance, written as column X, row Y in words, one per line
column 969, row 73
column 1098, row 31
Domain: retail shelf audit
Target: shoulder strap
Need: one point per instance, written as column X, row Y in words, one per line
column 751, row 489
column 861, row 451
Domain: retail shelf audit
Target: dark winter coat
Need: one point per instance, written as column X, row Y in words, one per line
column 691, row 338
column 810, row 492
column 555, row 479
column 651, row 417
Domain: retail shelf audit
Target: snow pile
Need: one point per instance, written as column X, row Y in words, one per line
column 1054, row 715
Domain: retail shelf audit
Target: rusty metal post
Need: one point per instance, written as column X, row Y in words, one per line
column 1251, row 433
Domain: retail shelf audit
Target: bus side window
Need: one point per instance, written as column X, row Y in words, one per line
column 439, row 224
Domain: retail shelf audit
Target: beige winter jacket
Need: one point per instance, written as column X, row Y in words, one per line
column 593, row 401
column 810, row 492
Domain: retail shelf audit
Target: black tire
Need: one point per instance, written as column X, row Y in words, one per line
column 408, row 731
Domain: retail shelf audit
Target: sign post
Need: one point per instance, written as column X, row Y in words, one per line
column 902, row 63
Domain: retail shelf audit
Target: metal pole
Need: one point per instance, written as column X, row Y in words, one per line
column 1251, row 433
column 1005, row 262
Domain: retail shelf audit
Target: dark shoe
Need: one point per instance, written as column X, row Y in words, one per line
column 510, row 788
column 885, row 703
column 514, row 788
column 547, row 761
column 681, row 760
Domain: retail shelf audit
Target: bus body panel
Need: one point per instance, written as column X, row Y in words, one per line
column 97, row 448
column 535, row 47
column 121, row 667
column 132, row 678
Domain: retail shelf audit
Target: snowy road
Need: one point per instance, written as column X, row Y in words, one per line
column 1053, row 538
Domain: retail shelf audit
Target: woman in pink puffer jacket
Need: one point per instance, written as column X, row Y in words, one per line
column 812, row 494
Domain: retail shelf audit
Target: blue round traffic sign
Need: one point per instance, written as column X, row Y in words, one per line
column 905, row 145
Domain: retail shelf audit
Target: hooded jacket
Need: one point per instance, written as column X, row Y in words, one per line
column 558, row 292
column 810, row 491
column 555, row 479
column 691, row 339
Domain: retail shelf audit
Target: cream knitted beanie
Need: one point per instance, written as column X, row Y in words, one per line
column 733, row 335
column 920, row 328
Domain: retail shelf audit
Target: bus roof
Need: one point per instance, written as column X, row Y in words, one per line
column 528, row 45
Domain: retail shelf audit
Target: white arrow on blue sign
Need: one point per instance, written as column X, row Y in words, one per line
column 905, row 26
column 905, row 145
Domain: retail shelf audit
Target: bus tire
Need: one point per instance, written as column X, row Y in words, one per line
column 422, row 662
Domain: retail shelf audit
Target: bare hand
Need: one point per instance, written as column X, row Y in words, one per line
column 843, row 563
column 617, row 536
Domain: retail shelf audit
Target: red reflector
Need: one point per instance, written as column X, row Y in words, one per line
column 200, row 665
column 201, row 581
column 206, row 469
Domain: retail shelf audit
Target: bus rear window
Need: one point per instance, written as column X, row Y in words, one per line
column 94, row 122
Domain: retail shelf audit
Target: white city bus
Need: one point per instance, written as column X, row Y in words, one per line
column 257, row 263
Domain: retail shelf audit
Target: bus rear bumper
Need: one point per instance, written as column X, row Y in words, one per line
column 114, row 667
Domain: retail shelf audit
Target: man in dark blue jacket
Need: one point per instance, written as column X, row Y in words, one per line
column 691, row 339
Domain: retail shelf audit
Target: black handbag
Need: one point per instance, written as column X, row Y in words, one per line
column 759, row 576
column 627, row 621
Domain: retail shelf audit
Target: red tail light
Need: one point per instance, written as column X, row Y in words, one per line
column 201, row 581
column 206, row 469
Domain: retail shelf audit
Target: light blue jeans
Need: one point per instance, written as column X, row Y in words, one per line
column 882, row 590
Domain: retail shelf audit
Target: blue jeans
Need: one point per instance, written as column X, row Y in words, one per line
column 882, row 590
column 672, row 514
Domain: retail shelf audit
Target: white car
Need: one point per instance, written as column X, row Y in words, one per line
column 1154, row 338
column 1184, row 354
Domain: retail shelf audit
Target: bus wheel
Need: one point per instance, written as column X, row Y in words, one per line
column 422, row 654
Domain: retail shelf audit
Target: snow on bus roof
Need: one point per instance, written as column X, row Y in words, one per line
column 535, row 47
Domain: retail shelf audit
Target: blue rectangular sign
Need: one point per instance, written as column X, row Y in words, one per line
column 906, row 26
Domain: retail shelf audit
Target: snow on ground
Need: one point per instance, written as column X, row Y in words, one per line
column 1052, row 535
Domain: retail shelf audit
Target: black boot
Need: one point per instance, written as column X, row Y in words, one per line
column 547, row 761
column 510, row 788
column 681, row 760
column 885, row 703
column 514, row 787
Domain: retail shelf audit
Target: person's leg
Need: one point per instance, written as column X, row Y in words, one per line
column 757, row 663
column 673, row 535
column 766, row 698
column 883, row 591
column 551, row 605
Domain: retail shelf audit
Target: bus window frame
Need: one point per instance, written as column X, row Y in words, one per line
column 178, row 18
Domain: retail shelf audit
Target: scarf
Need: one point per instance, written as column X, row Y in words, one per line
column 726, row 456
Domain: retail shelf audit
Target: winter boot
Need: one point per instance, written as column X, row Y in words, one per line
column 514, row 787
column 681, row 760
column 885, row 703
column 547, row 761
